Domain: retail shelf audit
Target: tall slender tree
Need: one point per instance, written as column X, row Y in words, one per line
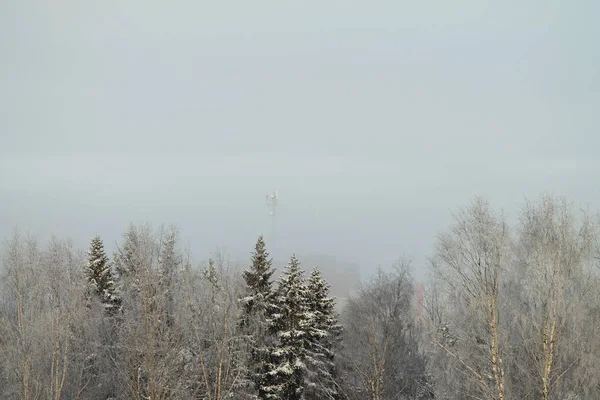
column 289, row 324
column 472, row 258
column 127, row 258
column 99, row 275
column 258, row 280
column 256, row 308
column 323, row 332
column 169, row 262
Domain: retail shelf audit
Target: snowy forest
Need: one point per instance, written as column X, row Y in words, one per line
column 510, row 311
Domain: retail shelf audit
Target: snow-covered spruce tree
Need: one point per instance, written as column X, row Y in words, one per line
column 169, row 262
column 289, row 324
column 323, row 332
column 99, row 275
column 256, row 308
column 127, row 261
column 258, row 280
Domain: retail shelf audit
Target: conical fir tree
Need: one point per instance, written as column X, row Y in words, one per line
column 258, row 280
column 126, row 258
column 256, row 307
column 129, row 260
column 169, row 262
column 289, row 324
column 99, row 275
column 323, row 336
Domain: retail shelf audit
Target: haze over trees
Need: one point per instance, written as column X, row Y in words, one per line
column 511, row 312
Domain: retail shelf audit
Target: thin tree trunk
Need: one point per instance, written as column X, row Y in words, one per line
column 497, row 366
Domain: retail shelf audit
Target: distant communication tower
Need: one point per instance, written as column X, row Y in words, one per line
column 271, row 203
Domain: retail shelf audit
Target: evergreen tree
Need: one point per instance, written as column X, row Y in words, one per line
column 99, row 275
column 125, row 258
column 169, row 261
column 289, row 324
column 323, row 333
column 256, row 308
column 128, row 263
column 211, row 275
column 258, row 280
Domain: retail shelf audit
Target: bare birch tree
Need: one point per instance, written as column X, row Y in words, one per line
column 381, row 357
column 212, row 358
column 471, row 259
column 555, row 255
column 148, row 348
column 42, row 305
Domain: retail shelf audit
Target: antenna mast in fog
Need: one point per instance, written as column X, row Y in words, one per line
column 271, row 203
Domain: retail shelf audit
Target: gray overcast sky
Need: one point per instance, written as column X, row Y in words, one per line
column 373, row 119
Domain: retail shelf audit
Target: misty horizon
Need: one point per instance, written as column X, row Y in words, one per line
column 436, row 233
column 374, row 127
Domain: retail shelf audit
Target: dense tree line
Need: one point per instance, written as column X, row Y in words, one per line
column 511, row 312
column 514, row 310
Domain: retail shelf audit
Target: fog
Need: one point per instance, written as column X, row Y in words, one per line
column 374, row 121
